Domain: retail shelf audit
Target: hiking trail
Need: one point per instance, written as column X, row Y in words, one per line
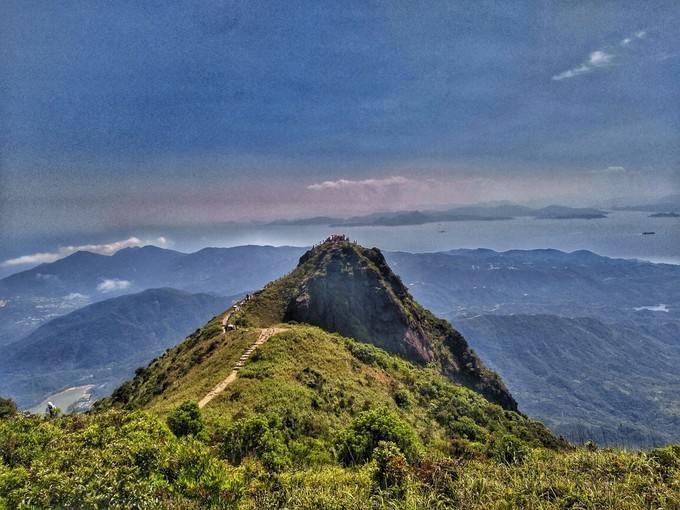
column 265, row 335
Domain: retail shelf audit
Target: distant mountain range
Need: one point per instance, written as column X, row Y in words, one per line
column 218, row 270
column 32, row 297
column 665, row 204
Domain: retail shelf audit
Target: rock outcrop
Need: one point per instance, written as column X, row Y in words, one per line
column 345, row 288
column 353, row 292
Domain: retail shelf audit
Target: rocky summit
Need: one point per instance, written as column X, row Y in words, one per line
column 345, row 288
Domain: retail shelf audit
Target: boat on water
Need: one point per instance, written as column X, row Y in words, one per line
column 648, row 233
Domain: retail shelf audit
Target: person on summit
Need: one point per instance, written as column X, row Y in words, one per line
column 51, row 409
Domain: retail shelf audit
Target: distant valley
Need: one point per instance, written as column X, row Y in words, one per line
column 101, row 344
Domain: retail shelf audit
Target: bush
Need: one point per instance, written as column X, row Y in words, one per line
column 508, row 449
column 466, row 428
column 8, row 408
column 402, row 399
column 357, row 443
column 391, row 468
column 256, row 437
column 186, row 419
column 666, row 460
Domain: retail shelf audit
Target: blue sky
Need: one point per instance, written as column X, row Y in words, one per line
column 121, row 115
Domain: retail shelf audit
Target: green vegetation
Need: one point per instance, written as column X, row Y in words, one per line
column 314, row 420
column 123, row 459
column 109, row 460
column 186, row 420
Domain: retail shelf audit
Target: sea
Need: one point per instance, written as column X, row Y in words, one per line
column 620, row 235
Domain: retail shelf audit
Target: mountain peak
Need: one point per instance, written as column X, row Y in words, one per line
column 344, row 288
column 349, row 289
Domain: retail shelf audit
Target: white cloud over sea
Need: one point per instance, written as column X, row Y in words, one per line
column 368, row 184
column 65, row 251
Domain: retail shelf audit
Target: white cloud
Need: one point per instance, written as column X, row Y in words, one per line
column 598, row 58
column 640, row 34
column 102, row 249
column 113, row 284
column 76, row 296
column 36, row 258
column 611, row 171
column 366, row 184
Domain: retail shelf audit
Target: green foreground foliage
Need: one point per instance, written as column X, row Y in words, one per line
column 315, row 420
column 121, row 459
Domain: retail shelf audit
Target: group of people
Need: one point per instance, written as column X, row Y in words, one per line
column 335, row 238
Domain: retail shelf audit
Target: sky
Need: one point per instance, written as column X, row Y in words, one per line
column 118, row 118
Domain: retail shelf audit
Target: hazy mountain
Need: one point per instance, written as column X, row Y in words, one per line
column 537, row 281
column 467, row 213
column 101, row 343
column 32, row 297
column 133, row 269
column 665, row 204
column 584, row 378
column 556, row 212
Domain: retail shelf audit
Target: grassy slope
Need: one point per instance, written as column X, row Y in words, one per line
column 317, row 383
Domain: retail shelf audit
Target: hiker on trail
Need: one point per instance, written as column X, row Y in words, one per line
column 51, row 409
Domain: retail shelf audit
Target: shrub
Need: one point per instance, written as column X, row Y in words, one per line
column 370, row 428
column 666, row 460
column 466, row 428
column 508, row 449
column 256, row 437
column 402, row 399
column 8, row 408
column 391, row 468
column 186, row 419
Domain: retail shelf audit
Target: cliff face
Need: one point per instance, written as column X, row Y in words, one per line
column 353, row 292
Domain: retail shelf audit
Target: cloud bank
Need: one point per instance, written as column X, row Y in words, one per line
column 65, row 251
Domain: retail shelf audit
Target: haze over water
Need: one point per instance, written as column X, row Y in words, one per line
column 618, row 236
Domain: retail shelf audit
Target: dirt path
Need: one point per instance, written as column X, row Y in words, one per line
column 235, row 308
column 265, row 335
